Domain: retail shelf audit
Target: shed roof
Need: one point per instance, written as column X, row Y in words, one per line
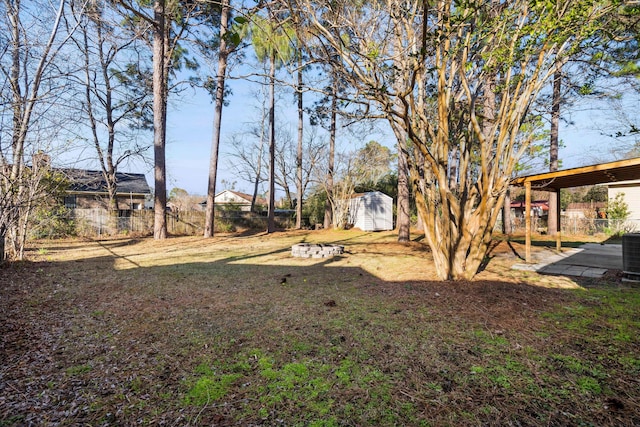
column 603, row 173
column 368, row 194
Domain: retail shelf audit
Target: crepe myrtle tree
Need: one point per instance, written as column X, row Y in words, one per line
column 455, row 80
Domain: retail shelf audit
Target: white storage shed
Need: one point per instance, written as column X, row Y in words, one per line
column 371, row 211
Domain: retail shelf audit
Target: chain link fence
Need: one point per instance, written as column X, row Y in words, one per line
column 577, row 226
column 99, row 222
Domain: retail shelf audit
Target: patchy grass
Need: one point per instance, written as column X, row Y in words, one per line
column 234, row 331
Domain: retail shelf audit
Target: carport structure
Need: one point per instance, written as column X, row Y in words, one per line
column 603, row 173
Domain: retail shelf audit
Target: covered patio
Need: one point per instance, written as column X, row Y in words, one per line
column 603, row 173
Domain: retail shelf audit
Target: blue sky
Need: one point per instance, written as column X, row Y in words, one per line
column 190, row 131
column 189, row 134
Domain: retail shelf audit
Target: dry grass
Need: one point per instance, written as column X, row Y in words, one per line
column 234, row 331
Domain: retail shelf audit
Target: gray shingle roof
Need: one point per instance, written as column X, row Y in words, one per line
column 88, row 181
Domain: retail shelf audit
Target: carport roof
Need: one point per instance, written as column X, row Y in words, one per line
column 603, row 173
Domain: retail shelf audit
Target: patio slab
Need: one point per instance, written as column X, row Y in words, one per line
column 589, row 260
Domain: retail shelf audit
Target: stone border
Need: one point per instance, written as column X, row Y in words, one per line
column 316, row 250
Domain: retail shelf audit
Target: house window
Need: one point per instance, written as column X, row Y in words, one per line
column 70, row 202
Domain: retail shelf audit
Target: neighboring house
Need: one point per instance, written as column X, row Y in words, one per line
column 631, row 190
column 371, row 211
column 539, row 208
column 585, row 210
column 88, row 190
column 234, row 200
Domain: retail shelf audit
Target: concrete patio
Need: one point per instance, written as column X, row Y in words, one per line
column 589, row 260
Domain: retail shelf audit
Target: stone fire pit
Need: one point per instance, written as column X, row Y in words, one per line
column 316, row 250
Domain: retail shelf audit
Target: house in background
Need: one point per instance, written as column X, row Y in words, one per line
column 88, row 190
column 585, row 210
column 631, row 190
column 539, row 208
column 235, row 200
column 371, row 211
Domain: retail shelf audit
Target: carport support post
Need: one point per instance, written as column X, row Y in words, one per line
column 558, row 223
column 527, row 221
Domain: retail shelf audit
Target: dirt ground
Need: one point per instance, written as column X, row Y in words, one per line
column 234, row 331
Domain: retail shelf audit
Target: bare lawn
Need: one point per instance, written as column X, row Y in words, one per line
column 235, row 331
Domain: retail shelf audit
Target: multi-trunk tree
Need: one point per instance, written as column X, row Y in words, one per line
column 457, row 80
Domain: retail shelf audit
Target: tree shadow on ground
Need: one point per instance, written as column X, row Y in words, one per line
column 101, row 341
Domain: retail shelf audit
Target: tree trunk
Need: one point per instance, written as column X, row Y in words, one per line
column 21, row 238
column 271, row 226
column 258, row 169
column 17, row 104
column 287, row 196
column 299, row 151
column 19, row 129
column 507, row 226
column 105, row 158
column 404, row 219
column 459, row 229
column 328, row 212
column 552, row 219
column 112, row 211
column 217, row 121
column 159, row 120
column 256, row 182
column 459, row 243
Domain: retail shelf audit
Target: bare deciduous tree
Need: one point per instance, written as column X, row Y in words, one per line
column 362, row 167
column 32, row 74
column 115, row 86
column 287, row 154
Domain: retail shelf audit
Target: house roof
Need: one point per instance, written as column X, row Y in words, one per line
column 89, row 181
column 603, row 173
column 631, row 183
column 244, row 196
